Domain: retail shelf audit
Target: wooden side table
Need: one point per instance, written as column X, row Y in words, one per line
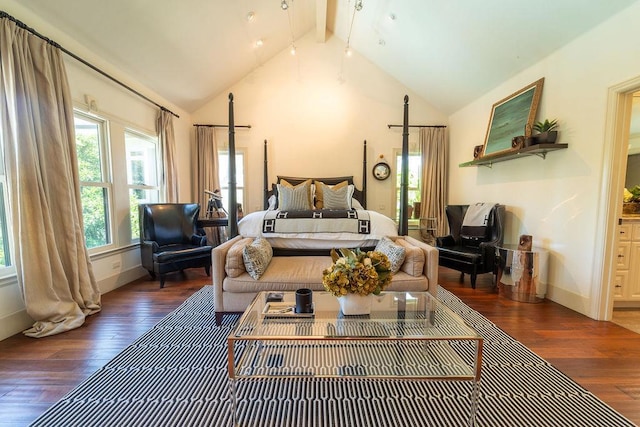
column 522, row 275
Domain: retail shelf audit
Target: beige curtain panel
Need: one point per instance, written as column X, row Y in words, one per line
column 206, row 165
column 168, row 144
column 52, row 262
column 434, row 152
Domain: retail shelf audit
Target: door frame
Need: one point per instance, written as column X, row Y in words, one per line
column 614, row 163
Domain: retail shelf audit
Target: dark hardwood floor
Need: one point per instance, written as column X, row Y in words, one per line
column 35, row 373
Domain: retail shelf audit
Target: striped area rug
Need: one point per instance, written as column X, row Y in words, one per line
column 176, row 375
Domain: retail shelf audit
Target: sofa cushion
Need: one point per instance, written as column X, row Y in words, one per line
column 414, row 259
column 234, row 263
column 394, row 252
column 257, row 257
column 285, row 273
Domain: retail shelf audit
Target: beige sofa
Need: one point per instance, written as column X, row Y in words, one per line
column 234, row 292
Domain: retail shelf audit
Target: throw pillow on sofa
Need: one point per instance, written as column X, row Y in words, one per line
column 395, row 253
column 257, row 257
column 413, row 260
column 234, row 263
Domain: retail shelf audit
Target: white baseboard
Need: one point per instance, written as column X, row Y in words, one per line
column 14, row 323
column 19, row 321
column 575, row 302
column 121, row 278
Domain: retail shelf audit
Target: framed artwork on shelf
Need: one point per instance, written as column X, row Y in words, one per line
column 512, row 116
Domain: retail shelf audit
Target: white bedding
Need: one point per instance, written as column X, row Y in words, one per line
column 381, row 225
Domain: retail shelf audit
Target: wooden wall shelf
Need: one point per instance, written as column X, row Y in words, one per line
column 539, row 150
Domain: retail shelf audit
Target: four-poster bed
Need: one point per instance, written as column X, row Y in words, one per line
column 375, row 224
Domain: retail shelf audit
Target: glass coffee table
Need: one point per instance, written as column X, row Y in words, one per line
column 408, row 335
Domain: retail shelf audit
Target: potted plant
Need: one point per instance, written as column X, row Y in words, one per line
column 631, row 199
column 354, row 275
column 547, row 133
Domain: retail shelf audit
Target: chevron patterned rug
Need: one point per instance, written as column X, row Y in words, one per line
column 176, row 375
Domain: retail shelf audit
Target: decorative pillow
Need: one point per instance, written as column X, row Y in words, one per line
column 293, row 198
column 257, row 257
column 395, row 253
column 336, row 199
column 413, row 260
column 355, row 204
column 319, row 191
column 234, row 264
column 306, row 184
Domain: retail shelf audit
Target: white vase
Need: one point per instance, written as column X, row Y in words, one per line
column 355, row 304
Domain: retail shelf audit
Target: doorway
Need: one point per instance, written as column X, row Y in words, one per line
column 618, row 127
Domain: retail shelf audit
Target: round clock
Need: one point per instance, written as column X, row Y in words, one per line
column 381, row 171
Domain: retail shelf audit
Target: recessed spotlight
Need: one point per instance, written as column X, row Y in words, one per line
column 392, row 17
column 293, row 49
column 284, row 5
column 251, row 16
column 259, row 43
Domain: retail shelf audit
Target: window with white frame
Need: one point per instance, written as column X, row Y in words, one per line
column 414, row 188
column 223, row 162
column 142, row 153
column 5, row 237
column 95, row 181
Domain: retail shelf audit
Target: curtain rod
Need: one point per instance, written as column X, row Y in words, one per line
column 417, row 126
column 225, row 126
column 77, row 58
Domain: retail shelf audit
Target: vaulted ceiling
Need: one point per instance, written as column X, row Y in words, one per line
column 449, row 52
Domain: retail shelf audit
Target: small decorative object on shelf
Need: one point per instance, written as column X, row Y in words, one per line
column 631, row 199
column 477, row 151
column 546, row 132
column 355, row 272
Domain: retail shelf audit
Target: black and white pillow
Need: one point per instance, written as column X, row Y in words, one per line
column 394, row 252
column 257, row 257
column 293, row 198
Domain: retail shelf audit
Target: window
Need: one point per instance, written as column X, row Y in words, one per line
column 415, row 173
column 142, row 174
column 223, row 161
column 5, row 238
column 95, row 185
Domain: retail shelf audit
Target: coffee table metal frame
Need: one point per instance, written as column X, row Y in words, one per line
column 408, row 335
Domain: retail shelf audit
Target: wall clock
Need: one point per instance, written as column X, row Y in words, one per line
column 381, row 171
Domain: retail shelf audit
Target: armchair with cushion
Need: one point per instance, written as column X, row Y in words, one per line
column 169, row 239
column 471, row 244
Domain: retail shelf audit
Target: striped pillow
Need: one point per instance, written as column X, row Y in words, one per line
column 307, row 184
column 320, row 186
column 293, row 198
column 337, row 198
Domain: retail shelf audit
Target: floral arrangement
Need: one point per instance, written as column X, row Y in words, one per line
column 633, row 195
column 357, row 272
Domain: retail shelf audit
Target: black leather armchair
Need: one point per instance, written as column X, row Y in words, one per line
column 170, row 239
column 469, row 251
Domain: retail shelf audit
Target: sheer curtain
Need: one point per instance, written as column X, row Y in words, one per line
column 52, row 263
column 434, row 153
column 168, row 144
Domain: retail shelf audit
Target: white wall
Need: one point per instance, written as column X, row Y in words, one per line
column 557, row 200
column 315, row 122
column 125, row 110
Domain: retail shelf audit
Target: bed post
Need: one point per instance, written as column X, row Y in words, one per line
column 364, row 176
column 403, row 226
column 266, row 179
column 233, row 201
